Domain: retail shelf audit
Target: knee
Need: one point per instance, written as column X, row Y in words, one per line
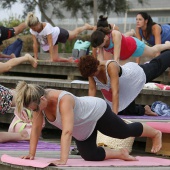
column 97, row 155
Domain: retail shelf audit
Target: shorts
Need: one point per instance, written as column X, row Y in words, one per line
column 5, row 99
column 63, row 36
column 140, row 48
column 6, row 33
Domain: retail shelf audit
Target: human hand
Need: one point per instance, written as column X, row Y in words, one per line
column 29, row 156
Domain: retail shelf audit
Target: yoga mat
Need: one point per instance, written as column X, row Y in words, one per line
column 24, row 145
column 162, row 126
column 44, row 162
column 146, row 117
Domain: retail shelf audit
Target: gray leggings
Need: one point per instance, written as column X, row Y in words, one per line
column 111, row 125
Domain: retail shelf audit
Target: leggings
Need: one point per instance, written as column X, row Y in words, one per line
column 111, row 125
column 156, row 66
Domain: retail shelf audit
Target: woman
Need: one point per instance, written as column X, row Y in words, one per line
column 120, row 85
column 7, row 96
column 102, row 22
column 49, row 37
column 123, row 47
column 150, row 31
column 79, row 117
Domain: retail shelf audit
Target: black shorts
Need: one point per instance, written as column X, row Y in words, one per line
column 6, row 33
column 63, row 36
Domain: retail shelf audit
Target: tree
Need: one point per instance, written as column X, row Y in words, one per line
column 85, row 8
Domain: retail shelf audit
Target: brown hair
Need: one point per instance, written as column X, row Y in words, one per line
column 97, row 37
column 88, row 65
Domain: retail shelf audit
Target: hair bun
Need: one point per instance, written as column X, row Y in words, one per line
column 102, row 18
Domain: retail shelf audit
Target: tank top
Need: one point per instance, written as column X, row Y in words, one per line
column 87, row 112
column 165, row 35
column 131, row 82
column 128, row 47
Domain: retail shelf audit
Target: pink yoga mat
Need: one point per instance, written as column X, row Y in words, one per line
column 44, row 162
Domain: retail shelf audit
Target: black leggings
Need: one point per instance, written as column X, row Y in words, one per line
column 111, row 125
column 156, row 66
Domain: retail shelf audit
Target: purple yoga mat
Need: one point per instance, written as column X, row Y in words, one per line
column 146, row 117
column 24, row 145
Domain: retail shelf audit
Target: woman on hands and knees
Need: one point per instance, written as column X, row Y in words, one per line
column 80, row 117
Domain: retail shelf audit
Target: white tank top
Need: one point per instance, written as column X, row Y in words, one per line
column 87, row 112
column 42, row 36
column 131, row 82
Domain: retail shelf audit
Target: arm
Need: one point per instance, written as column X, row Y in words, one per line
column 92, row 87
column 35, row 46
column 37, row 123
column 100, row 55
column 156, row 31
column 50, row 43
column 67, row 119
column 113, row 72
column 94, row 52
column 116, row 38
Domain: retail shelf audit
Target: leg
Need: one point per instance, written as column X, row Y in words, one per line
column 7, row 56
column 112, row 125
column 89, row 150
column 156, row 49
column 16, row 61
column 18, row 29
column 156, row 136
column 9, row 136
column 73, row 34
column 156, row 66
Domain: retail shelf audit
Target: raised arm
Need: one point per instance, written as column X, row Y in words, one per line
column 116, row 38
column 113, row 71
column 92, row 87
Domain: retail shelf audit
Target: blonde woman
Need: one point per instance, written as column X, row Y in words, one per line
column 48, row 36
column 79, row 117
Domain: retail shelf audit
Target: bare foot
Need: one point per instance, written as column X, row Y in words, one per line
column 124, row 155
column 88, row 26
column 32, row 60
column 149, row 112
column 156, row 142
column 13, row 55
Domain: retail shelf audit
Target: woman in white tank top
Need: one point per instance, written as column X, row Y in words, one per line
column 120, row 85
column 80, row 117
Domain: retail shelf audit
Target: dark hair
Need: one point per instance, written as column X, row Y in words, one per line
column 88, row 65
column 97, row 37
column 150, row 23
column 102, row 22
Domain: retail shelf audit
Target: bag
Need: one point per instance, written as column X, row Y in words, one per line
column 24, row 122
column 80, row 48
column 114, row 143
column 15, row 48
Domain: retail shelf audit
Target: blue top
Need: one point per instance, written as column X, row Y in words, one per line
column 165, row 35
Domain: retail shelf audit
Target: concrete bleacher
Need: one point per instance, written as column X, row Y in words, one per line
column 60, row 76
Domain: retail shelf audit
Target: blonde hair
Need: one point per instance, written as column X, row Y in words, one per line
column 26, row 94
column 31, row 19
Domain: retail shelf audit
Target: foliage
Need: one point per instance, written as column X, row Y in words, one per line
column 76, row 7
column 12, row 22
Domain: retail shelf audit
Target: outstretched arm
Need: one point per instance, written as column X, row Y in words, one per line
column 35, row 46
